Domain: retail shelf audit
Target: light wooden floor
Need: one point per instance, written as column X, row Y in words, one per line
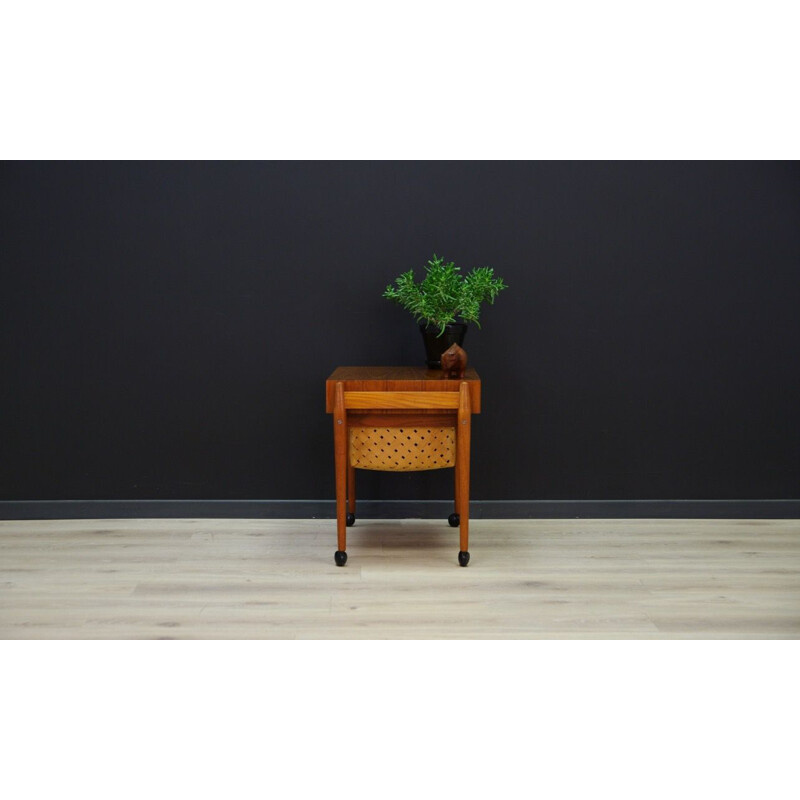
column 275, row 579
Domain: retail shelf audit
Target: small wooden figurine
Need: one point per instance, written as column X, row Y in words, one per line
column 454, row 362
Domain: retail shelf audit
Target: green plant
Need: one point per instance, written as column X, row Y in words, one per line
column 445, row 293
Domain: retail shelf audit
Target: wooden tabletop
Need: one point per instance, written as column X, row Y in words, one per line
column 400, row 379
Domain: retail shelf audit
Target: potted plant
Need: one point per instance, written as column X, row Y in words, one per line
column 444, row 302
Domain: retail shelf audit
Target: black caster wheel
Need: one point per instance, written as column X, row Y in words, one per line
column 454, row 520
column 463, row 557
column 351, row 519
column 340, row 557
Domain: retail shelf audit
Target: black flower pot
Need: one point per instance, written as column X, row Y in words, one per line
column 435, row 345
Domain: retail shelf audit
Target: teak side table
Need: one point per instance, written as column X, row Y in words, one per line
column 401, row 419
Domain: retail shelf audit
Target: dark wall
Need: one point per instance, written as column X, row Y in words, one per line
column 166, row 328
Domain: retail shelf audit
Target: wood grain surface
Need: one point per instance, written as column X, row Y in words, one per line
column 386, row 400
column 400, row 379
column 275, row 579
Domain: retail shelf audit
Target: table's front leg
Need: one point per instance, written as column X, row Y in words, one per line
column 463, row 436
column 340, row 456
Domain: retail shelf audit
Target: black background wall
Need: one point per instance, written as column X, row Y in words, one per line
column 166, row 328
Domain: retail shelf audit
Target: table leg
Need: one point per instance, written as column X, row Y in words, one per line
column 457, row 498
column 463, row 435
column 340, row 453
column 351, row 494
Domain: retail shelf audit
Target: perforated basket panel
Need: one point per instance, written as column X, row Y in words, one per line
column 402, row 449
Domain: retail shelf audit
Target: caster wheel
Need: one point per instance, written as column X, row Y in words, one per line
column 351, row 519
column 454, row 520
column 340, row 557
column 463, row 557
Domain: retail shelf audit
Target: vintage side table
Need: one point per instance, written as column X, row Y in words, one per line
column 401, row 419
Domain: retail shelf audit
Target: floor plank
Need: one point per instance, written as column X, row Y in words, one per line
column 275, row 579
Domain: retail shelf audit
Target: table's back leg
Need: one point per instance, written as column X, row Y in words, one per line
column 351, row 493
column 454, row 519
